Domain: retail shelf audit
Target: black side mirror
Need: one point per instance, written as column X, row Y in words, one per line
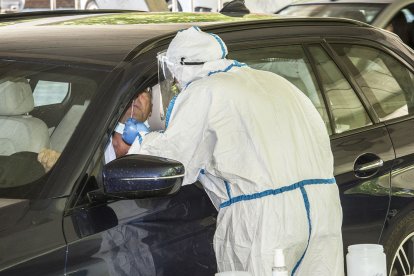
column 142, row 176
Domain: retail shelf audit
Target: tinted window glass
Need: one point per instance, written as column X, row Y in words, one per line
column 291, row 63
column 387, row 83
column 49, row 92
column 347, row 111
column 26, row 129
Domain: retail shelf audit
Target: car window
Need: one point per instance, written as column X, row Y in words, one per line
column 408, row 12
column 50, row 92
column 31, row 121
column 347, row 110
column 387, row 83
column 291, row 63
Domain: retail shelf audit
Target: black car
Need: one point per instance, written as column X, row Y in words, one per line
column 86, row 218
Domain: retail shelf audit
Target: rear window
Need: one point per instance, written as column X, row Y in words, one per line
column 50, row 92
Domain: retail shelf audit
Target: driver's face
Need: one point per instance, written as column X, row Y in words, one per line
column 141, row 107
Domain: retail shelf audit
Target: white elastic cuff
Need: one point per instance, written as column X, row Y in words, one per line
column 120, row 128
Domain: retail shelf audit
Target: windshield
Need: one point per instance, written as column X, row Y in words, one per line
column 361, row 12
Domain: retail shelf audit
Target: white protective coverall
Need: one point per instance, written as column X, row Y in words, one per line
column 262, row 152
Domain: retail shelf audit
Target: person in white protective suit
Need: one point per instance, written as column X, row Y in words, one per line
column 262, row 152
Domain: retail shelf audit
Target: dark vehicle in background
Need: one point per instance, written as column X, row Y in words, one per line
column 379, row 13
column 81, row 218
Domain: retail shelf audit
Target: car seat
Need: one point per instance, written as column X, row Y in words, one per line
column 19, row 131
column 66, row 127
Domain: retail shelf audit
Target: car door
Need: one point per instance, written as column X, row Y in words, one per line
column 388, row 83
column 362, row 148
column 164, row 236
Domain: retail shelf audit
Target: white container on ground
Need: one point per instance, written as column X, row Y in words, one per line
column 366, row 260
column 279, row 264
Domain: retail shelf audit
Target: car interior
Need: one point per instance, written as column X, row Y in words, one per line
column 38, row 110
column 20, row 131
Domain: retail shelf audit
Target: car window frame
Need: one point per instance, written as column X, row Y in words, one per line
column 348, row 75
column 379, row 47
column 318, row 84
column 78, row 197
column 318, row 76
column 322, row 41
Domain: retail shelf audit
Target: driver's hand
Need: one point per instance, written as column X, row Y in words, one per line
column 48, row 158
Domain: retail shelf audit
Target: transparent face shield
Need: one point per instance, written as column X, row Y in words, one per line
column 168, row 85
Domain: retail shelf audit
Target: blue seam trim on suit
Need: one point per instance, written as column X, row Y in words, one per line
column 223, row 50
column 307, row 206
column 277, row 191
column 169, row 111
column 228, row 189
column 139, row 138
column 234, row 64
column 172, row 102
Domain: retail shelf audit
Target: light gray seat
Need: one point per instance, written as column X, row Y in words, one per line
column 19, row 131
column 66, row 127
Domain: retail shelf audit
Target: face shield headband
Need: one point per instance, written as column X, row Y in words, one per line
column 172, row 77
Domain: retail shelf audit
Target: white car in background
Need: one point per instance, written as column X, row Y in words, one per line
column 255, row 6
column 196, row 5
column 7, row 6
column 151, row 5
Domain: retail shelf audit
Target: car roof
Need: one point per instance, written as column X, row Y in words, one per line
column 35, row 37
column 100, row 40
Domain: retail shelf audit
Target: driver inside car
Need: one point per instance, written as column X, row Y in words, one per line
column 125, row 132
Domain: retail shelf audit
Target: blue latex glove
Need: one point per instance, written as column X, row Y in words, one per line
column 132, row 129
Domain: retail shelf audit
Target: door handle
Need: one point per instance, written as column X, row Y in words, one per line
column 369, row 166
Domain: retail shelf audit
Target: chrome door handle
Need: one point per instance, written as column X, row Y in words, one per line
column 370, row 166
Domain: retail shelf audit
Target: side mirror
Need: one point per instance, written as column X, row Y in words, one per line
column 142, row 176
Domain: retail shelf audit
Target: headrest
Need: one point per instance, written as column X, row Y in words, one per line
column 16, row 97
